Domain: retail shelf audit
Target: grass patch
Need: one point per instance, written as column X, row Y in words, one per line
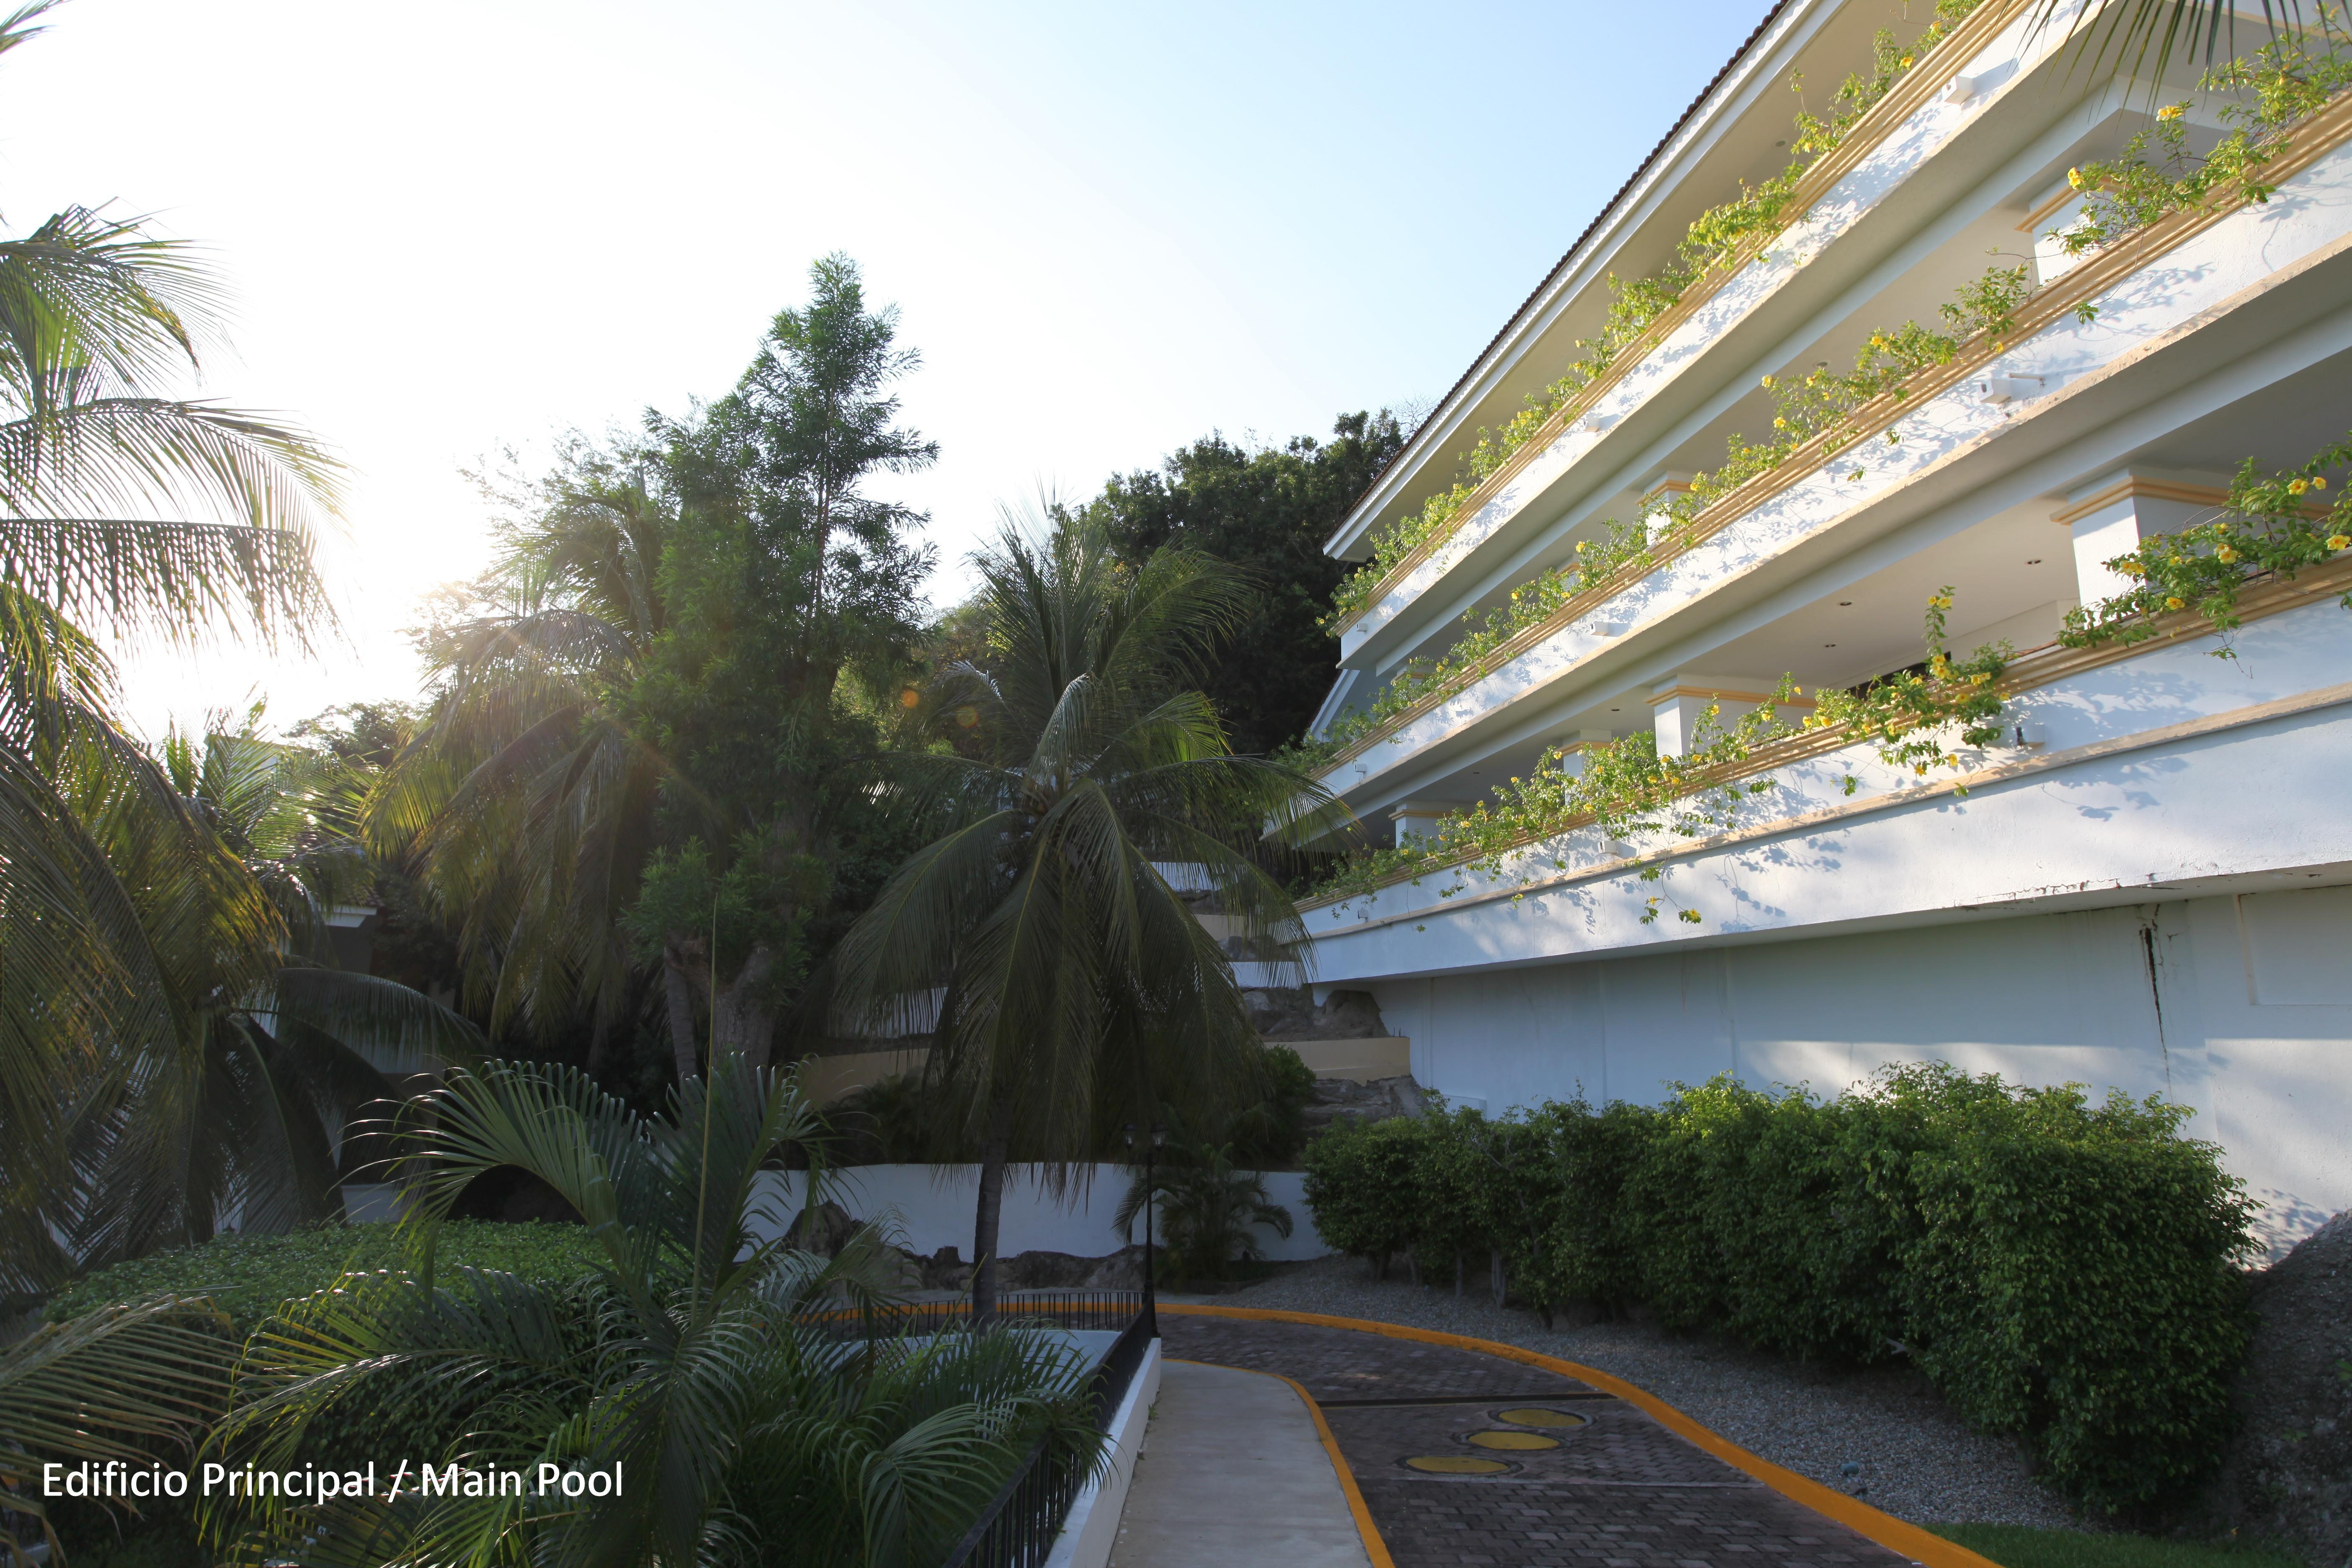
column 2023, row 1546
column 248, row 1275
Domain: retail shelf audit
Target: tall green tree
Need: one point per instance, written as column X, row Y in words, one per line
column 524, row 804
column 648, row 770
column 795, row 617
column 1074, row 987
column 1268, row 512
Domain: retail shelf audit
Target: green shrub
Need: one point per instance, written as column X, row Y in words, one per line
column 1362, row 1182
column 2060, row 1269
column 1270, row 1133
column 249, row 1277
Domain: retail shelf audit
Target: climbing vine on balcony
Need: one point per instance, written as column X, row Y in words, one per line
column 1803, row 407
column 1716, row 236
column 2156, row 175
column 2277, row 525
column 1628, row 791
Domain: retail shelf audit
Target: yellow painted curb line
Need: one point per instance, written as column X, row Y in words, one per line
column 1919, row 1545
column 1374, row 1547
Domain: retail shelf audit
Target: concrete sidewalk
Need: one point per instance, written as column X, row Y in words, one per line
column 1233, row 1472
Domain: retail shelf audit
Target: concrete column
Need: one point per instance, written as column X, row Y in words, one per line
column 1420, row 819
column 1572, row 753
column 1678, row 704
column 2110, row 515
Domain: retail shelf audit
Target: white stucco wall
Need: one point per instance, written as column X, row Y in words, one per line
column 934, row 1205
column 2251, row 1033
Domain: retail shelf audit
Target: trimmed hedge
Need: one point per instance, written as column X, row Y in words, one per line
column 2059, row 1268
column 249, row 1277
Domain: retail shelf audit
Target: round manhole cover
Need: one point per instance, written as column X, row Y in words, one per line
column 1456, row 1465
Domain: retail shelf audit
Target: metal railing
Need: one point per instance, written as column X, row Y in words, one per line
column 1019, row 1525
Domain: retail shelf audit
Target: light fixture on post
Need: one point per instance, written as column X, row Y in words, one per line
column 1151, row 1196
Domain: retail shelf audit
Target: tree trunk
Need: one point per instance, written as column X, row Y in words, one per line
column 1457, row 1273
column 1495, row 1274
column 992, row 1151
column 677, row 989
column 745, row 1021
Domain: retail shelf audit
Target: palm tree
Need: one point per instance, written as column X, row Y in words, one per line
column 1208, row 1211
column 109, row 475
column 526, row 798
column 107, row 1386
column 2144, row 36
column 743, row 1389
column 232, row 854
column 1075, row 983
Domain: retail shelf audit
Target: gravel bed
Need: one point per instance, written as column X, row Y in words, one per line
column 1919, row 1461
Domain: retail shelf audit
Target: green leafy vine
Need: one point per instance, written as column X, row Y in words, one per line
column 2273, row 526
column 1722, row 234
column 1804, row 407
column 1626, row 789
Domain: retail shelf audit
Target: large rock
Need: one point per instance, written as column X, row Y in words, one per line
column 2288, row 1476
column 1291, row 1014
column 1339, row 1097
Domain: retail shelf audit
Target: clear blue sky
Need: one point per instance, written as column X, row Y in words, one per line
column 1110, row 229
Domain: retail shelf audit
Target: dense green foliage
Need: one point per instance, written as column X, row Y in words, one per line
column 249, row 1277
column 2059, row 1268
column 646, row 793
column 1078, row 990
column 1266, row 511
column 753, row 1393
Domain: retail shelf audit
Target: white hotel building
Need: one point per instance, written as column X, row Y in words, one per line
column 2150, row 889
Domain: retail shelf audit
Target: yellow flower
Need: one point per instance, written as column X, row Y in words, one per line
column 2173, row 603
column 2318, row 483
column 1953, row 761
column 1907, row 62
column 2225, row 556
column 2339, row 541
column 2128, row 568
column 1920, row 768
column 2074, row 178
column 1979, row 678
column 2169, row 111
column 1878, row 340
column 1768, row 384
column 2296, row 487
column 1780, row 424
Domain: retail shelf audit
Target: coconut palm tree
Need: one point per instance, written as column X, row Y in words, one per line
column 528, row 798
column 741, row 1389
column 127, row 508
column 1075, row 987
column 232, row 854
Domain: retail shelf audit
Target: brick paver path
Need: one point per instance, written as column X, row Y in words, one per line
column 1619, row 1491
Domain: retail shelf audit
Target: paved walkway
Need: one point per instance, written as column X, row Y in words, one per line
column 1233, row 1472
column 1466, row 1458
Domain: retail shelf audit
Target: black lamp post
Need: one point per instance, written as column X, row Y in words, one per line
column 1151, row 1196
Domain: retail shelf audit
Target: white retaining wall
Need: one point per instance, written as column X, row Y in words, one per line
column 934, row 1205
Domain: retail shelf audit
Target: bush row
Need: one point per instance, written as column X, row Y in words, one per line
column 2060, row 1269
